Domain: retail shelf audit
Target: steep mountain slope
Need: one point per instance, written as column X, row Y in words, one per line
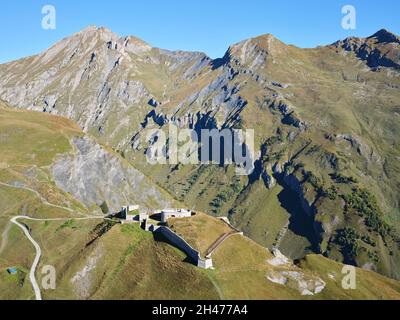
column 326, row 126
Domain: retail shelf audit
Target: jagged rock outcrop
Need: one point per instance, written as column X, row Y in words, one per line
column 359, row 146
column 279, row 259
column 307, row 285
column 382, row 49
column 268, row 179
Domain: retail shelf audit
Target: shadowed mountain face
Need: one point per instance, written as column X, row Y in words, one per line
column 326, row 124
column 379, row 50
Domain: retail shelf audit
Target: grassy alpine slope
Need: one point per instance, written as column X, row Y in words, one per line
column 31, row 142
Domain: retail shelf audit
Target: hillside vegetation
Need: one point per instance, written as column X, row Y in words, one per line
column 32, row 143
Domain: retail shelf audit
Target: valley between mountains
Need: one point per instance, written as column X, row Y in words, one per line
column 324, row 191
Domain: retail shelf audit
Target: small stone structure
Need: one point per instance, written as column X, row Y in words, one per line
column 174, row 213
column 127, row 210
column 127, row 217
column 130, row 208
column 143, row 216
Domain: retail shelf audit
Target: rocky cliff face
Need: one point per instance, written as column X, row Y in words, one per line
column 382, row 49
column 95, row 176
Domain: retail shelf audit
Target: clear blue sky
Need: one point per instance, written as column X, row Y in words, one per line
column 208, row 25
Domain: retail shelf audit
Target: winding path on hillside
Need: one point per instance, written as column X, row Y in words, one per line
column 38, row 255
column 27, row 233
column 44, row 201
column 35, row 263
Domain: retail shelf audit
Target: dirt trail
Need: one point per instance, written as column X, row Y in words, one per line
column 35, row 263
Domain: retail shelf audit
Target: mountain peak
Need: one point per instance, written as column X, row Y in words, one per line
column 264, row 40
column 384, row 35
column 266, row 36
column 102, row 35
column 380, row 37
column 253, row 50
column 93, row 30
column 89, row 28
column 137, row 42
column 379, row 50
column 265, row 44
